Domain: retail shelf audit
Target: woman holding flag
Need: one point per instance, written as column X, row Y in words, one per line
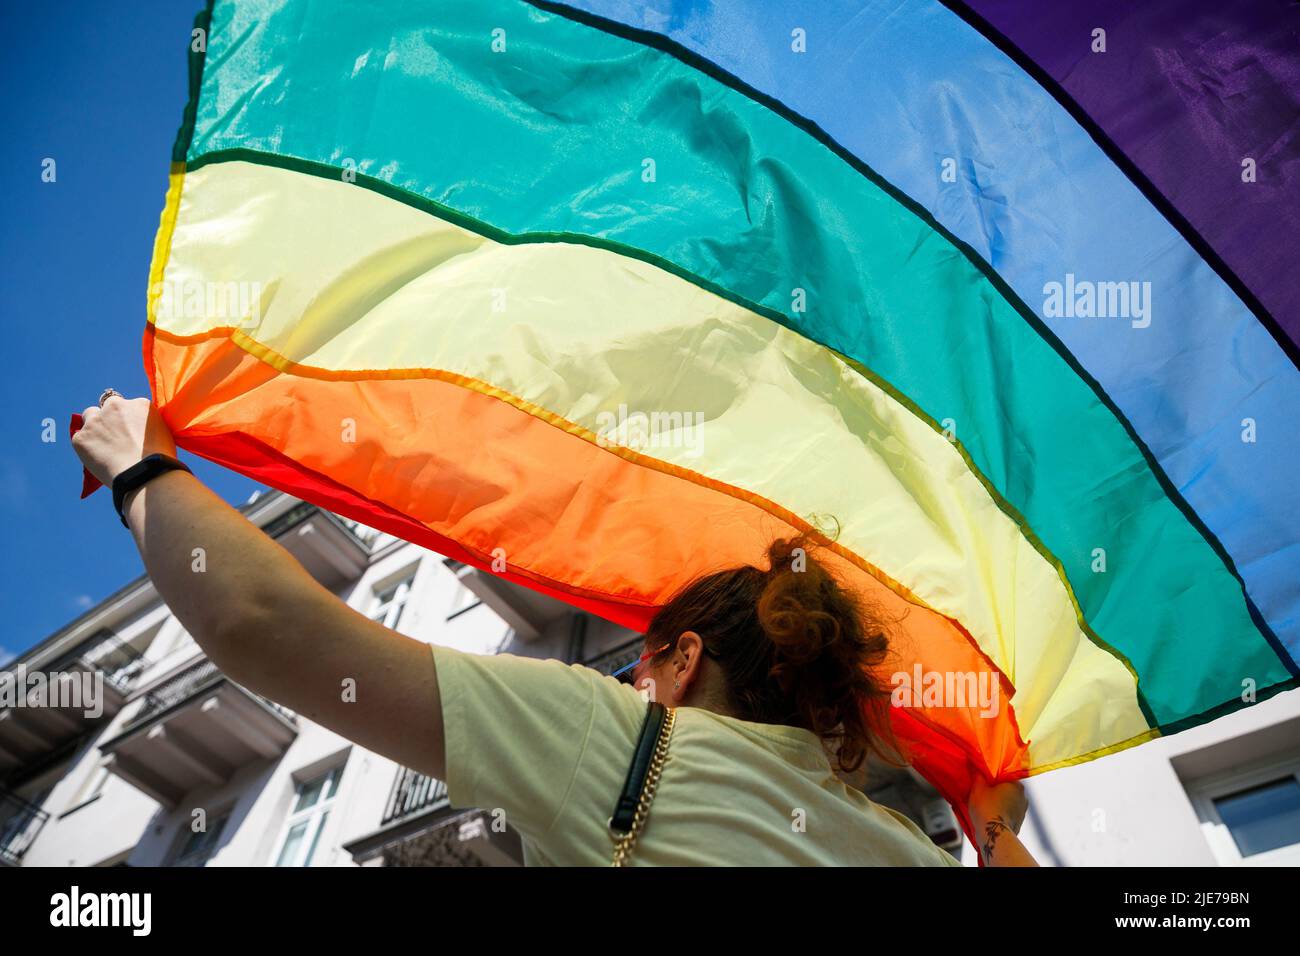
column 765, row 676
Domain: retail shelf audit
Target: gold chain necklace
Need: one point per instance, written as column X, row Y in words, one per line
column 624, row 844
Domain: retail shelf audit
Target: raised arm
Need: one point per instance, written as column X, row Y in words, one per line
column 256, row 612
column 997, row 811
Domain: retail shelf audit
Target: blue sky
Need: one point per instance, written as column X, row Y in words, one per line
column 99, row 88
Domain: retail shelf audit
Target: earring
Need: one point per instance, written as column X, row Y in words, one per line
column 677, row 686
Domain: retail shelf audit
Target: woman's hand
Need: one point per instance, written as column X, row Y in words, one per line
column 115, row 437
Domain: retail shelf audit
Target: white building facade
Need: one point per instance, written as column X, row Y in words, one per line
column 175, row 765
column 179, row 766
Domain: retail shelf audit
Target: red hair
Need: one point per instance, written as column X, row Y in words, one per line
column 795, row 647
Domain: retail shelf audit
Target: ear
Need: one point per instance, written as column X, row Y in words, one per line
column 687, row 661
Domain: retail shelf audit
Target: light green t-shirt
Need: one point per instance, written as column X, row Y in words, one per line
column 549, row 744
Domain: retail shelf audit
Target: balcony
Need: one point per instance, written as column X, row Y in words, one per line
column 420, row 828
column 525, row 611
column 20, row 822
column 611, row 660
column 60, row 701
column 333, row 551
column 196, row 728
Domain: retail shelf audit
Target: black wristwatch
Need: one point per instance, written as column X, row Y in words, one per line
column 144, row 470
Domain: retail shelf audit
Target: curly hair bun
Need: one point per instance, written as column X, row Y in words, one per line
column 795, row 647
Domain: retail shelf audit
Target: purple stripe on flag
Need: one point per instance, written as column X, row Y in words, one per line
column 1202, row 96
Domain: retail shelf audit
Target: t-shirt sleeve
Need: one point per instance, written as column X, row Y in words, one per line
column 515, row 730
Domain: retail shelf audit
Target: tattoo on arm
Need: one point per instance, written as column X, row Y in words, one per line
column 993, row 829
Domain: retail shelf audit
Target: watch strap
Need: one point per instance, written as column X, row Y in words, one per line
column 143, row 471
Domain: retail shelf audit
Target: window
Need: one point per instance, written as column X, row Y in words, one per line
column 198, row 848
column 1263, row 818
column 1253, row 818
column 92, row 787
column 311, row 808
column 465, row 600
column 389, row 602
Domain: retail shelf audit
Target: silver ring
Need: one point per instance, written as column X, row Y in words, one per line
column 107, row 394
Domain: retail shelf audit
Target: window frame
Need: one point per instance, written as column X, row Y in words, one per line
column 463, row 601
column 92, row 786
column 316, row 816
column 389, row 613
column 1223, row 846
column 214, row 832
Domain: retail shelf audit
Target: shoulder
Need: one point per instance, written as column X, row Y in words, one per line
column 548, row 693
column 924, row 843
column 512, row 669
column 519, row 730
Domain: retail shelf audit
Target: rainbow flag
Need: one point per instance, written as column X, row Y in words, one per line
column 603, row 296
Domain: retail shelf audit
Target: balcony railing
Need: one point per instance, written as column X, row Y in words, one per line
column 413, row 793
column 20, row 822
column 106, row 653
column 193, row 679
column 616, row 657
